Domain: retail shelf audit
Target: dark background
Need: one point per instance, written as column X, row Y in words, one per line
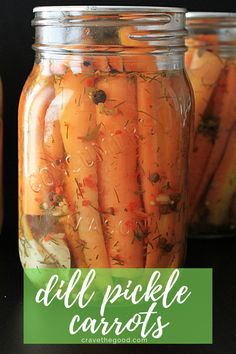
column 16, row 59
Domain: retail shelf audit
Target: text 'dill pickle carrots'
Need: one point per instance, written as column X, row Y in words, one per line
column 159, row 146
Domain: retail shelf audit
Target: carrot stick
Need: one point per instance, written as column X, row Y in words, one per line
column 155, row 152
column 203, row 72
column 223, row 107
column 37, row 178
column 32, row 108
column 54, row 150
column 223, row 185
column 43, row 156
column 117, row 171
column 203, row 145
column 159, row 150
column 79, row 130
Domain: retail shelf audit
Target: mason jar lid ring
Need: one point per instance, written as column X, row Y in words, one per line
column 108, row 9
column 210, row 15
column 82, row 27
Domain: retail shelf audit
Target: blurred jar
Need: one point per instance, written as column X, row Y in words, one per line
column 211, row 66
column 1, row 154
column 104, row 125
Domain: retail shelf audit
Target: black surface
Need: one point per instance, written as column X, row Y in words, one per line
column 16, row 58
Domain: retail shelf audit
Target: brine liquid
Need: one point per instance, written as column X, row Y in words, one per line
column 103, row 150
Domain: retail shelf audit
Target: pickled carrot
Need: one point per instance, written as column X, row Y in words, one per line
column 159, row 149
column 203, row 146
column 223, row 185
column 223, row 107
column 37, row 180
column 79, row 130
column 155, row 151
column 147, row 96
column 203, row 72
column 117, row 171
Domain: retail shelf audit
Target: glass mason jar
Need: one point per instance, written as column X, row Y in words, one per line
column 211, row 66
column 104, row 127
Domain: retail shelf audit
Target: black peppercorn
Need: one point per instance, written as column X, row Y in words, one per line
column 99, row 96
column 163, row 244
column 87, row 63
column 154, row 177
column 168, row 247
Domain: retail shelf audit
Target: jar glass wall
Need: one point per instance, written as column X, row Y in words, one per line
column 104, row 127
column 211, row 65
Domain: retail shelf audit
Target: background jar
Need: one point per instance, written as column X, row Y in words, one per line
column 104, row 126
column 211, row 66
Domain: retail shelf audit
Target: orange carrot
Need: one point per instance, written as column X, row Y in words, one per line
column 54, row 151
column 37, row 178
column 203, row 72
column 39, row 166
column 202, row 148
column 79, row 130
column 223, row 185
column 159, row 149
column 117, row 171
column 155, row 151
column 222, row 106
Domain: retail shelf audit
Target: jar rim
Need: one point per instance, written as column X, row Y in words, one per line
column 210, row 15
column 108, row 9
